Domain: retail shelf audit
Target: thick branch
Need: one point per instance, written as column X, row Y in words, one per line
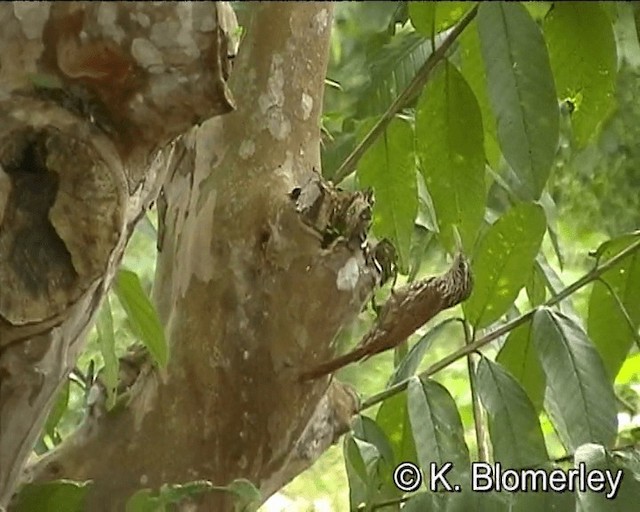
column 90, row 93
column 251, row 284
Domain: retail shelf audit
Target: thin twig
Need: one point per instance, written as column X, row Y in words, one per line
column 407, row 95
column 478, row 417
column 590, row 276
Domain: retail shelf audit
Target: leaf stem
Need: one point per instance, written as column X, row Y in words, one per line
column 446, row 361
column 408, row 94
column 478, row 417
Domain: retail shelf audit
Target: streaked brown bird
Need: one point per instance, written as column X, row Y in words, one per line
column 406, row 310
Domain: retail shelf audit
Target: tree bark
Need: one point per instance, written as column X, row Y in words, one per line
column 260, row 264
column 90, row 95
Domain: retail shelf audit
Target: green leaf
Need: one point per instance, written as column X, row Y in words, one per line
column 469, row 500
column 551, row 212
column 449, row 140
column 393, row 420
column 536, row 287
column 522, row 91
column 107, row 344
column 144, row 500
column 360, row 459
column 56, row 496
column 379, row 460
column 552, row 501
column 420, row 245
column 389, row 168
column 437, row 427
column 518, row 355
column 503, row 262
column 391, row 68
column 610, row 247
column 336, row 152
column 427, row 16
column 579, row 396
column 378, row 17
column 58, row 410
column 596, row 457
column 412, row 360
column 582, row 51
column 553, row 283
column 366, row 429
column 513, row 422
column 421, row 502
column 248, row 497
column 426, row 215
column 537, row 10
column 472, row 67
column 607, row 325
column 629, row 371
column 142, row 315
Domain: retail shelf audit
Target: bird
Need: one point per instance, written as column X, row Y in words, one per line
column 406, row 310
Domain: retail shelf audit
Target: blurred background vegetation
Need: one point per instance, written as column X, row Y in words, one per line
column 374, row 54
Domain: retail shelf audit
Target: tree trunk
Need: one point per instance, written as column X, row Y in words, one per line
column 260, row 262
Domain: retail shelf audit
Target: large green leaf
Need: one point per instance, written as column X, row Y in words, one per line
column 107, row 343
column 472, row 67
column 449, row 141
column 421, row 502
column 503, row 262
column 393, row 420
column 368, row 430
column 582, row 51
column 579, row 396
column 361, row 459
column 142, row 315
column 465, row 501
column 429, row 16
column 437, row 428
column 514, row 428
column 518, row 355
column 391, row 68
column 607, row 326
column 471, row 500
column 56, row 496
column 521, row 90
column 380, row 485
column 625, row 496
column 389, row 168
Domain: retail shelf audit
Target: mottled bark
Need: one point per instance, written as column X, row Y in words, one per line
column 90, row 95
column 249, row 285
